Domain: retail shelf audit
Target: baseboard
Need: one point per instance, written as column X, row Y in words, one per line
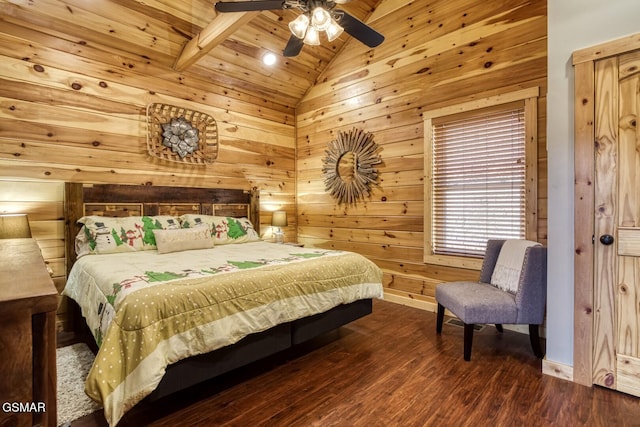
column 523, row 329
column 411, row 302
column 557, row 370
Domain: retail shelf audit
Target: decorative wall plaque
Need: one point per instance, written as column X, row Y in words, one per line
column 181, row 135
column 348, row 166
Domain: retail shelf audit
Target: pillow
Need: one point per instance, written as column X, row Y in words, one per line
column 104, row 235
column 183, row 239
column 506, row 273
column 82, row 243
column 225, row 230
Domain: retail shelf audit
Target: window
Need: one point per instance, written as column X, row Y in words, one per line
column 480, row 163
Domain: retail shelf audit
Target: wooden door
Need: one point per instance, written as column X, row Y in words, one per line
column 616, row 329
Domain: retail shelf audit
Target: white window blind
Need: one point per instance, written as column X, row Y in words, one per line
column 478, row 181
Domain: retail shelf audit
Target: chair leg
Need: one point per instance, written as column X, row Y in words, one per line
column 499, row 327
column 439, row 318
column 468, row 340
column 534, row 337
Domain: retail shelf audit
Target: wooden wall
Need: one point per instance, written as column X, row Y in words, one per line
column 76, row 112
column 435, row 55
column 72, row 111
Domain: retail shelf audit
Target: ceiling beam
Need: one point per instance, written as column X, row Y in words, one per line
column 218, row 30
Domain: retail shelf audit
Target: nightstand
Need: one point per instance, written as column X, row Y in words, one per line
column 28, row 304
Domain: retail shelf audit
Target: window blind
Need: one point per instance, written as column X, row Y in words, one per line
column 478, row 182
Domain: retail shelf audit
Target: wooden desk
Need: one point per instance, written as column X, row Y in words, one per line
column 28, row 303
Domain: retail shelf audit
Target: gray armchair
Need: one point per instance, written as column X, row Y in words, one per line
column 482, row 302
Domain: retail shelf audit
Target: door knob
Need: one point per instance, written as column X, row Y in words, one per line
column 606, row 239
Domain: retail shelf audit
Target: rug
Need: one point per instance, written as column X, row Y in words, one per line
column 73, row 366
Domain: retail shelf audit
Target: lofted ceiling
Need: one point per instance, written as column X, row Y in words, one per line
column 185, row 37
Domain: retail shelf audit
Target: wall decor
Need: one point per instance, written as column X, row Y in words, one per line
column 349, row 166
column 181, row 135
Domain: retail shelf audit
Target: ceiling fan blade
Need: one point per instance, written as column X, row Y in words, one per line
column 293, row 47
column 249, row 6
column 358, row 29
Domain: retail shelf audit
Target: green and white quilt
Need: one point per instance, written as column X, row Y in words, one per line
column 148, row 310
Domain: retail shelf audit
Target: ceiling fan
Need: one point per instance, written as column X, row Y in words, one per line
column 317, row 16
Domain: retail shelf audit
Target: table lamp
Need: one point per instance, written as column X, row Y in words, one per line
column 279, row 219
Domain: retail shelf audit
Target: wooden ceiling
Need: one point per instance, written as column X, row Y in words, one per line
column 153, row 34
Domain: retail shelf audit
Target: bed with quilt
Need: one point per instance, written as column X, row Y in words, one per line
column 175, row 299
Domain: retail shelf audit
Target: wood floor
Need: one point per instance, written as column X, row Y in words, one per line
column 391, row 369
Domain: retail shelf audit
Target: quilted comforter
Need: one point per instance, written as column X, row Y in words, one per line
column 148, row 310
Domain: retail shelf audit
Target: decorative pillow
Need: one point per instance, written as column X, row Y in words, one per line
column 506, row 273
column 105, row 235
column 183, row 239
column 224, row 229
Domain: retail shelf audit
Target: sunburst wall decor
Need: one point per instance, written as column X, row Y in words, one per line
column 349, row 166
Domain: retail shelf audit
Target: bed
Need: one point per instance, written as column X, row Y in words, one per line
column 177, row 287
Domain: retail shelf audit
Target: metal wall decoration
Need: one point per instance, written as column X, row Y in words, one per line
column 349, row 166
column 181, row 135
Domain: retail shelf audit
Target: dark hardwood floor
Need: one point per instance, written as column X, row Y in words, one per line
column 391, row 369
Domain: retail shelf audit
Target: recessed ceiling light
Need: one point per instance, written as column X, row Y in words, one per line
column 269, row 58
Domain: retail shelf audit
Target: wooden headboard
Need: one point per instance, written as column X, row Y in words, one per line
column 137, row 200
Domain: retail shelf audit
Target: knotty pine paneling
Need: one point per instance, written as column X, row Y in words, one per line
column 75, row 80
column 76, row 112
column 434, row 55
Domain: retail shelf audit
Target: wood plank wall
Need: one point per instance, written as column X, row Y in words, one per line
column 73, row 111
column 435, row 55
column 64, row 124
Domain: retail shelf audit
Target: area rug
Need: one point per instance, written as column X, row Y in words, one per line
column 73, row 366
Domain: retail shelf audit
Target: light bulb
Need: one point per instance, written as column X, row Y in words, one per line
column 312, row 38
column 299, row 26
column 333, row 30
column 269, row 58
column 320, row 19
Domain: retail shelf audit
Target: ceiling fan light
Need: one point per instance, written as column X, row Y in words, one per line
column 299, row 26
column 320, row 19
column 333, row 30
column 313, row 37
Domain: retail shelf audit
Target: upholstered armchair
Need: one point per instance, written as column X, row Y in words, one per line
column 512, row 290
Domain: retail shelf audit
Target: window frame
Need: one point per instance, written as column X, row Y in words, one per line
column 530, row 99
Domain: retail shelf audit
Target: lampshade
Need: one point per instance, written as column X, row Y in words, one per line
column 279, row 219
column 333, row 31
column 320, row 19
column 299, row 26
column 14, row 226
column 313, row 37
